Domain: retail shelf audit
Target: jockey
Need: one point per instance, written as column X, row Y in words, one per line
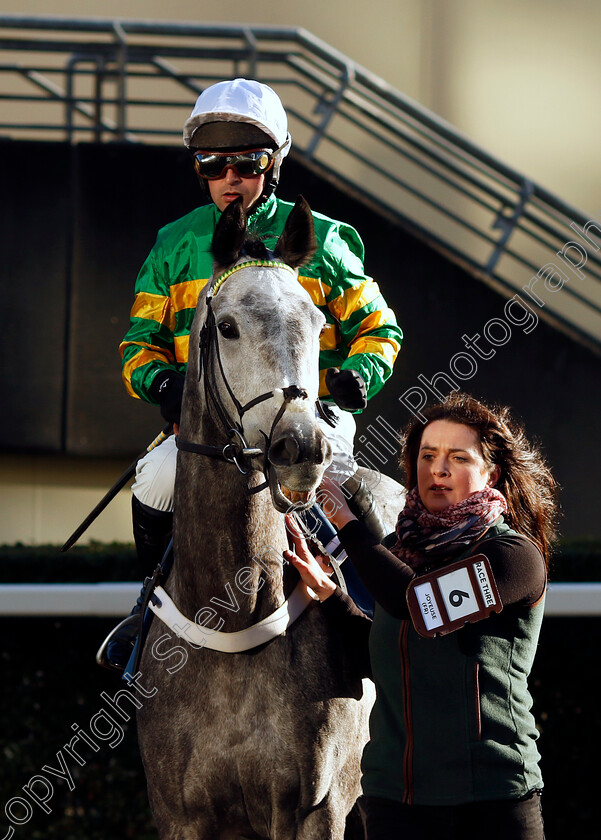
column 238, row 137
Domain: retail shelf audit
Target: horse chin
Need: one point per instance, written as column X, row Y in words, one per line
column 285, row 499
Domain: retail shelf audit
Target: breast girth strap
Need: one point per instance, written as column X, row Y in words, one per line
column 257, row 634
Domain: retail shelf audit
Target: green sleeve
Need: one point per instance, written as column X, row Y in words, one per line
column 370, row 335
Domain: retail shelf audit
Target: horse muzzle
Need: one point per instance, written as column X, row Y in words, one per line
column 297, row 463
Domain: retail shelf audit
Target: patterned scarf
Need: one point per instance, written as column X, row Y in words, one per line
column 423, row 537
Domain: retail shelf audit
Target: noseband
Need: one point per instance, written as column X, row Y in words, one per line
column 236, row 450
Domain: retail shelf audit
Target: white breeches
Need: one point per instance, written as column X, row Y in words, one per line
column 155, row 473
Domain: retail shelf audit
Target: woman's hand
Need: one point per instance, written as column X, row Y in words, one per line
column 314, row 571
column 334, row 504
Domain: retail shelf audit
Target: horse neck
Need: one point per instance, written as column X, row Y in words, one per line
column 227, row 544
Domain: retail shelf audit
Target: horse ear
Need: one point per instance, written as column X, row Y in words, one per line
column 297, row 244
column 229, row 235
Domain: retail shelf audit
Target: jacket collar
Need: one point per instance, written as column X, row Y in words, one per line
column 257, row 220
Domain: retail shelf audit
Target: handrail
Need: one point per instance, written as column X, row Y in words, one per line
column 134, row 81
column 115, row 599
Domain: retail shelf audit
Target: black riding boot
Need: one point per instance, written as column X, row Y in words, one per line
column 362, row 503
column 152, row 532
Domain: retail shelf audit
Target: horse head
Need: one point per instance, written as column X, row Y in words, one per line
column 252, row 386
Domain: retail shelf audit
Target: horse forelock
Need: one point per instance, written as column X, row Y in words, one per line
column 254, row 248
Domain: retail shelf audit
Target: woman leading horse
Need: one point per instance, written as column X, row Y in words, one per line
column 460, row 599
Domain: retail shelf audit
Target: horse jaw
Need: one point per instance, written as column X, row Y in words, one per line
column 283, row 498
column 286, row 498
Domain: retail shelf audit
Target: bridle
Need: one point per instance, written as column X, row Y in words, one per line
column 236, row 450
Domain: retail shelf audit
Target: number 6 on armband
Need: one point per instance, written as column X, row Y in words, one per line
column 444, row 600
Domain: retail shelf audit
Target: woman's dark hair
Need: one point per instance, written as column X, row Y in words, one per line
column 525, row 479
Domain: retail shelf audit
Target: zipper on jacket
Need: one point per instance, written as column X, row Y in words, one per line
column 477, row 699
column 407, row 713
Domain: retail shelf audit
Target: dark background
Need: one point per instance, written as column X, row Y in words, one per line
column 76, row 224
column 78, row 221
column 50, row 680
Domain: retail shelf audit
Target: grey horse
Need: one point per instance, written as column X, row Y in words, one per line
column 264, row 743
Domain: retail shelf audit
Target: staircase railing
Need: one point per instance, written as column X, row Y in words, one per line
column 135, row 81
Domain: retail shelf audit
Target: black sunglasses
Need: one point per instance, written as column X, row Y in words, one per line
column 212, row 165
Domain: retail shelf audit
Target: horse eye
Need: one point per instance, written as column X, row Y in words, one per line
column 228, row 330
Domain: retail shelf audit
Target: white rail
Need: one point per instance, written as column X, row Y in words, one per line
column 68, row 599
column 117, row 599
column 574, row 599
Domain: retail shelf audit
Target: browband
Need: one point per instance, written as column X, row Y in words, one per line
column 247, row 264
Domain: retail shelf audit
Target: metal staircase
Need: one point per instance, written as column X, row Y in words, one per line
column 135, row 81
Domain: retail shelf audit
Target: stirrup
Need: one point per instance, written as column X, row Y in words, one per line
column 125, row 634
column 123, row 637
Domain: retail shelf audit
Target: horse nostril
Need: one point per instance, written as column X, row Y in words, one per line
column 284, row 452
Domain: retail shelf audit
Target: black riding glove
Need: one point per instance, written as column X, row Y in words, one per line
column 348, row 388
column 168, row 389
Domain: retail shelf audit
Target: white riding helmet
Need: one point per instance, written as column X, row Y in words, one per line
column 238, row 114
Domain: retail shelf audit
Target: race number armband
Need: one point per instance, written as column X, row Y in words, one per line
column 444, row 600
